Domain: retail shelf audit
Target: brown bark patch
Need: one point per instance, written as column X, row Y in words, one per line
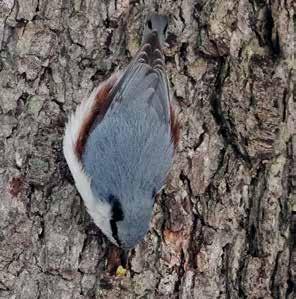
column 15, row 186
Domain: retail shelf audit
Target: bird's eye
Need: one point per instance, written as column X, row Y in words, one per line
column 165, row 29
column 149, row 24
column 116, row 215
column 114, row 230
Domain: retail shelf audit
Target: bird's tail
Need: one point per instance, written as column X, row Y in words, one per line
column 158, row 24
column 153, row 39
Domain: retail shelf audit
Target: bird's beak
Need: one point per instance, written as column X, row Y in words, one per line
column 124, row 257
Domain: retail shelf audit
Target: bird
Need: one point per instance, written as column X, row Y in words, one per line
column 120, row 142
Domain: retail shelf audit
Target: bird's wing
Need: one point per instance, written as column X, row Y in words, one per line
column 145, row 73
column 134, row 85
column 132, row 146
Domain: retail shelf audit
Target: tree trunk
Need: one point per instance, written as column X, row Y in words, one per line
column 225, row 225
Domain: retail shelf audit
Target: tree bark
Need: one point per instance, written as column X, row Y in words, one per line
column 225, row 225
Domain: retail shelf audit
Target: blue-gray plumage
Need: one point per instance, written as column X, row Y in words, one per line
column 129, row 153
column 129, row 149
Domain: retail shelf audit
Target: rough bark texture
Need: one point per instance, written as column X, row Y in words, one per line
column 225, row 225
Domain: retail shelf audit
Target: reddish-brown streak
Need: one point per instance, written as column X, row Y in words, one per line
column 100, row 106
column 175, row 128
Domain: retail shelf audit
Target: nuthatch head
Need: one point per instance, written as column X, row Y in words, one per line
column 120, row 142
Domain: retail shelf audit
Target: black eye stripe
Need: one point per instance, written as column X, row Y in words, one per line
column 149, row 23
column 116, row 215
column 114, row 231
column 165, row 28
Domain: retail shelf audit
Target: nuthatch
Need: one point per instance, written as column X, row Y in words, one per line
column 120, row 142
